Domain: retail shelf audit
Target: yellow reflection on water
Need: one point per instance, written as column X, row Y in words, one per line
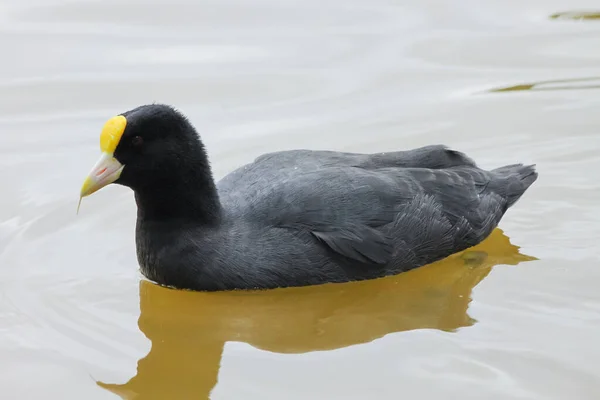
column 553, row 85
column 577, row 15
column 189, row 329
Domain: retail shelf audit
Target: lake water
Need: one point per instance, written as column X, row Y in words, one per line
column 505, row 81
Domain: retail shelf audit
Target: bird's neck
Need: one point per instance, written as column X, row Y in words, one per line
column 188, row 195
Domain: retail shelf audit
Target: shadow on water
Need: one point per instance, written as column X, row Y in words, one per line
column 189, row 329
column 559, row 84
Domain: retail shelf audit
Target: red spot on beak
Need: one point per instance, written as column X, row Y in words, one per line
column 103, row 170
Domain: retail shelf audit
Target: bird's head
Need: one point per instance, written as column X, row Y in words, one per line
column 141, row 147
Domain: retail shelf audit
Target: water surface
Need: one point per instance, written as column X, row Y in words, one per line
column 505, row 81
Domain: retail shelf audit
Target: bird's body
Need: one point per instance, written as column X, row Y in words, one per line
column 301, row 217
column 310, row 217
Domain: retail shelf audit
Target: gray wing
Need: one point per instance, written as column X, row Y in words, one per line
column 418, row 204
column 377, row 216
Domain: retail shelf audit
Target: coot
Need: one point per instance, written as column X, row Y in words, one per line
column 294, row 218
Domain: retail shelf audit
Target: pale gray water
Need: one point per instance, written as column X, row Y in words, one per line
column 258, row 76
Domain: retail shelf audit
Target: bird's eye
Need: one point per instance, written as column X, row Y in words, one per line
column 137, row 141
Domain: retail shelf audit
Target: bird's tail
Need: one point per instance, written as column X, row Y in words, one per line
column 518, row 178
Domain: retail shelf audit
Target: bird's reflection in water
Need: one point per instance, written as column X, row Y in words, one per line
column 189, row 329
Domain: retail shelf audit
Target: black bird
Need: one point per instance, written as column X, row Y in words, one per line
column 294, row 218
